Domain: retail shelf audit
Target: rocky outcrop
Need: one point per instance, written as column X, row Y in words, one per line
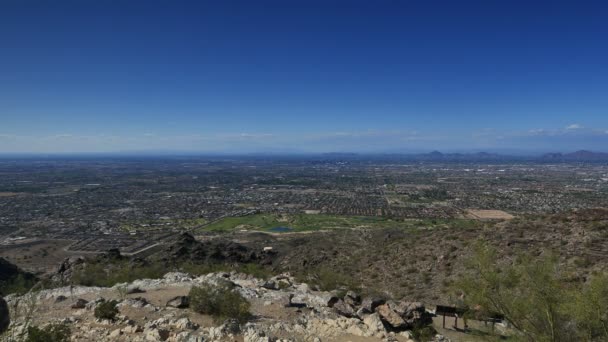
column 187, row 248
column 390, row 317
column 308, row 315
column 179, row 302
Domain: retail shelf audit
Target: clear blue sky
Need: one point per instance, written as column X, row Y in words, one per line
column 310, row 76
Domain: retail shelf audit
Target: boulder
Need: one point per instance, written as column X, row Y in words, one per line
column 231, row 326
column 155, row 334
column 132, row 329
column 179, row 302
column 115, row 334
column 413, row 313
column 271, row 285
column 352, row 298
column 137, row 302
column 407, row 309
column 79, row 304
column 60, row 299
column 185, row 324
column 344, row 309
column 390, row 317
column 134, row 289
column 253, row 335
column 328, row 299
column 374, row 324
column 4, row 316
column 369, row 304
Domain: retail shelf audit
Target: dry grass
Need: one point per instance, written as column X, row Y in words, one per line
column 488, row 214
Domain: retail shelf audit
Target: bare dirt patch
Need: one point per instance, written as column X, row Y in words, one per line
column 8, row 194
column 41, row 256
column 488, row 214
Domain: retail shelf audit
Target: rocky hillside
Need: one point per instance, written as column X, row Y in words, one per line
column 160, row 310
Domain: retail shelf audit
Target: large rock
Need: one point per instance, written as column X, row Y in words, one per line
column 186, row 247
column 352, row 298
column 80, row 304
column 390, row 317
column 156, row 334
column 374, row 324
column 369, row 305
column 254, row 335
column 180, row 302
column 344, row 309
column 66, row 269
column 271, row 285
column 407, row 309
column 4, row 316
column 413, row 313
column 185, row 323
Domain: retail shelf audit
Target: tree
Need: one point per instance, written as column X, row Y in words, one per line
column 530, row 293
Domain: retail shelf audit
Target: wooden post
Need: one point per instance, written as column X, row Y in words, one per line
column 456, row 322
column 444, row 321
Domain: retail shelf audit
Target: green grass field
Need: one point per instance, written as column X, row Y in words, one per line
column 304, row 222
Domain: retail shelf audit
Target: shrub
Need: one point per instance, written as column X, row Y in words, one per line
column 220, row 302
column 98, row 274
column 50, row 333
column 18, row 284
column 106, row 310
column 331, row 279
column 536, row 297
column 426, row 333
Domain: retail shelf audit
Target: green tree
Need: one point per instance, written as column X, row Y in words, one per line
column 529, row 293
column 590, row 309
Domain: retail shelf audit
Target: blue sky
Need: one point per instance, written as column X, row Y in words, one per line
column 303, row 76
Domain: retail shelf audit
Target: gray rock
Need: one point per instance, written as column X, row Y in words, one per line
column 231, row 326
column 344, row 309
column 353, row 297
column 154, row 334
column 369, row 304
column 271, row 285
column 79, row 304
column 390, row 317
column 185, row 323
column 60, row 298
column 374, row 324
column 134, row 289
column 179, row 302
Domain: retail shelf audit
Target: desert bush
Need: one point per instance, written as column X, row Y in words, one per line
column 49, row 333
column 425, row 333
column 98, row 274
column 221, row 302
column 19, row 284
column 106, row 310
column 330, row 279
column 536, row 296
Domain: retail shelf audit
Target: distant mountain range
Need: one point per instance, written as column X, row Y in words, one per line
column 581, row 155
column 578, row 156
